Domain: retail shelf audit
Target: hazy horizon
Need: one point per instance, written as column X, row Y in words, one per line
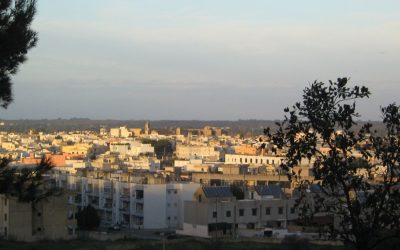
column 158, row 120
column 208, row 60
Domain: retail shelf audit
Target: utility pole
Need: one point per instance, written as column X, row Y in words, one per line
column 164, row 241
column 216, row 219
column 216, row 224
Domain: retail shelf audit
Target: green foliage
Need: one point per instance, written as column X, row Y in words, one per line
column 368, row 212
column 87, row 218
column 237, row 191
column 178, row 244
column 294, row 243
column 161, row 147
column 27, row 183
column 16, row 38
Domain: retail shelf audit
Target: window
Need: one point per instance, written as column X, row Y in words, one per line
column 39, row 214
column 5, row 217
column 241, row 212
column 267, row 210
column 250, row 226
column 169, row 218
column 280, row 210
column 228, row 213
column 70, row 231
column 292, row 210
column 5, row 202
column 254, row 211
column 70, row 214
column 5, row 231
column 214, row 214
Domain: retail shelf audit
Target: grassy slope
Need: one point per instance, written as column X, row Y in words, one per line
column 182, row 244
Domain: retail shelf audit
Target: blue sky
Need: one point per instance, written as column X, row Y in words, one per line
column 127, row 59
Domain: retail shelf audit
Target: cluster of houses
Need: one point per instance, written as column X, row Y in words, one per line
column 212, row 185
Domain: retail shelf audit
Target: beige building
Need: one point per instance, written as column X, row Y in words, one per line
column 189, row 151
column 9, row 146
column 136, row 131
column 215, row 212
column 51, row 220
column 211, row 131
column 80, row 149
column 245, row 150
column 120, row 132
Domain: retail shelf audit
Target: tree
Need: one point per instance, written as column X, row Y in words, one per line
column 87, row 218
column 358, row 178
column 27, row 183
column 237, row 191
column 16, row 38
column 161, row 147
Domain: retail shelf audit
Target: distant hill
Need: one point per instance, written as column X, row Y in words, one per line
column 249, row 127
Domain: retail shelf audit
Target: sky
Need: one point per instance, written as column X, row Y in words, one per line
column 203, row 60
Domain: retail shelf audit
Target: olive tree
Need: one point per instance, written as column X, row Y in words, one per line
column 357, row 173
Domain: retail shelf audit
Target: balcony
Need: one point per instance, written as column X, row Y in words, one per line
column 78, row 199
column 138, row 213
column 94, row 202
column 139, row 194
column 107, row 194
column 125, row 197
column 125, row 209
column 108, row 207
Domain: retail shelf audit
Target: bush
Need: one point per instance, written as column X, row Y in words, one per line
column 87, row 218
column 295, row 243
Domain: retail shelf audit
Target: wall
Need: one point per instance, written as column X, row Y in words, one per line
column 154, row 211
column 194, row 230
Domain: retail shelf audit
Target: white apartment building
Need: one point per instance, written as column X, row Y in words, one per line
column 130, row 205
column 132, row 148
column 152, row 164
column 253, row 159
